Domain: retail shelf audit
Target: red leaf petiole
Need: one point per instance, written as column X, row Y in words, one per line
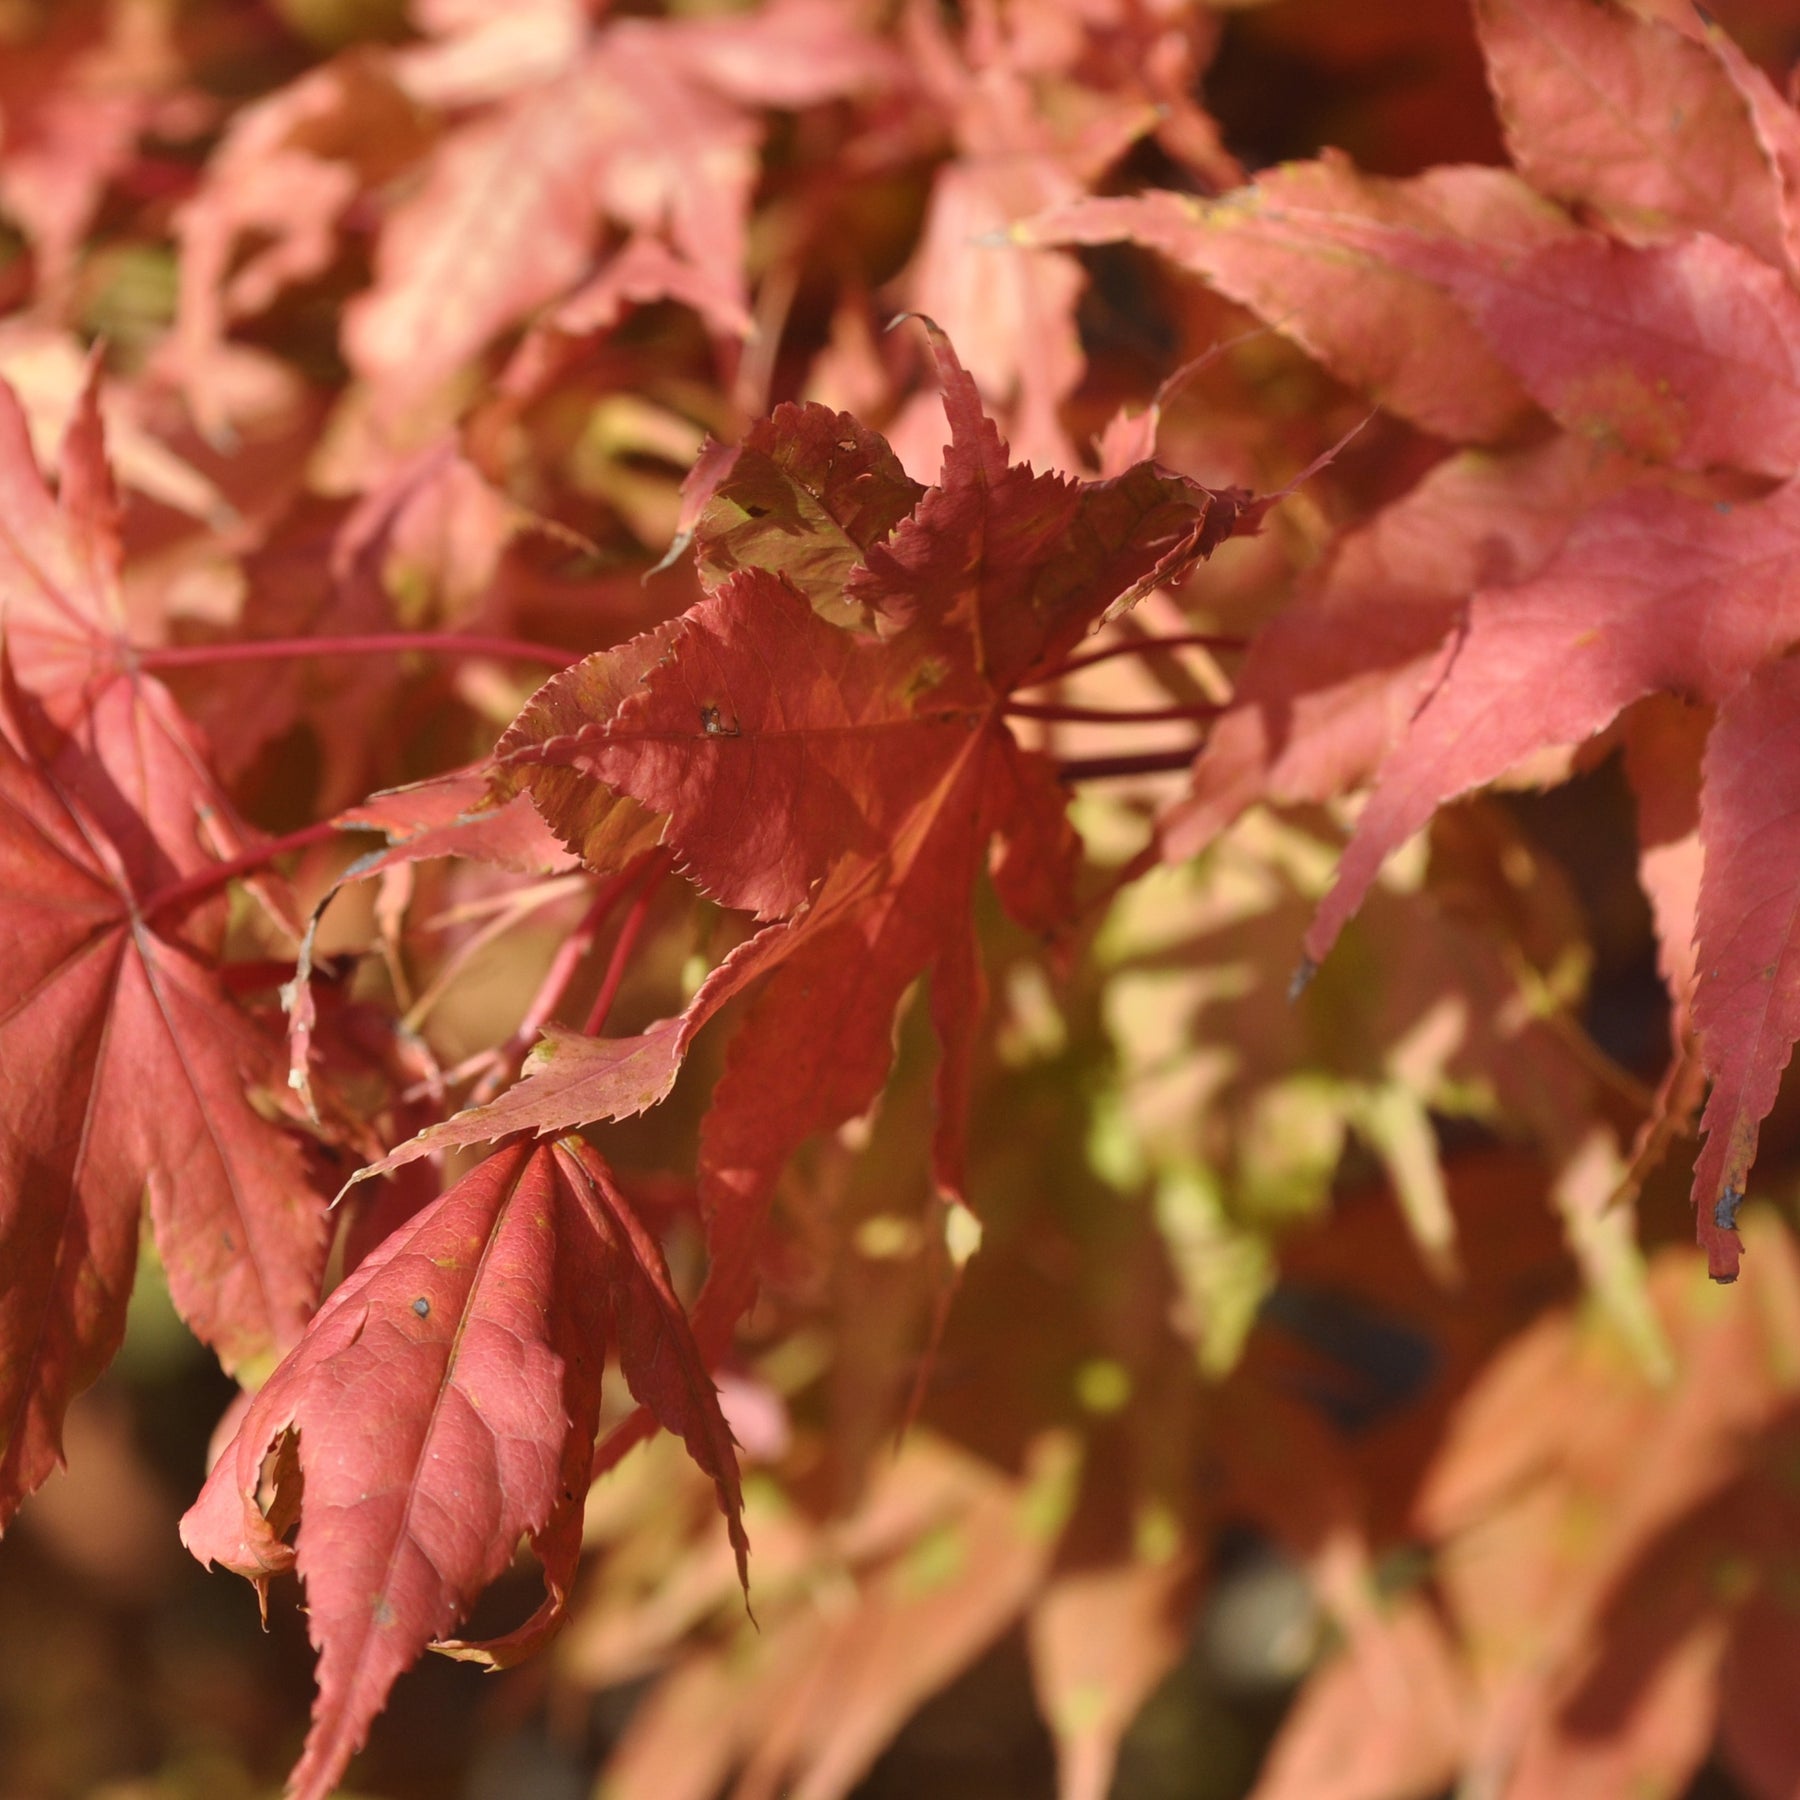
column 1148, row 762
column 651, row 871
column 1148, row 646
column 206, row 881
column 445, row 643
column 1111, row 715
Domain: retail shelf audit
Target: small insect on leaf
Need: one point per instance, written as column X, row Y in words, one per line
column 422, row 1307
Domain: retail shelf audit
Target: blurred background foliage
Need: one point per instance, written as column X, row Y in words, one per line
column 1303, row 1381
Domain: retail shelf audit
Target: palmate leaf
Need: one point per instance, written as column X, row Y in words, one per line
column 1330, row 685
column 1686, row 353
column 1672, row 335
column 1650, row 126
column 126, row 1070
column 846, row 785
column 442, row 1405
column 1652, row 593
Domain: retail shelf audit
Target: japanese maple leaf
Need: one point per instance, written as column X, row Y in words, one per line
column 1675, row 335
column 1332, row 683
column 125, row 1068
column 1651, row 593
column 1685, row 350
column 844, row 781
column 1374, row 326
column 441, row 1406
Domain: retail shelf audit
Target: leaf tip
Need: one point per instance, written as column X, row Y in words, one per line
column 1724, row 1248
column 1301, row 979
column 1725, row 1209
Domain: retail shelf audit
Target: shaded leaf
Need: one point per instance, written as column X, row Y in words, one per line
column 1273, row 247
column 806, row 495
column 1631, row 117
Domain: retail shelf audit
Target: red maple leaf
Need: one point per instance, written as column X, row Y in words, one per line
column 822, row 742
column 442, row 1405
column 125, row 1067
column 1672, row 334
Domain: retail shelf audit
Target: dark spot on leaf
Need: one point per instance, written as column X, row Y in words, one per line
column 422, row 1307
column 1725, row 1210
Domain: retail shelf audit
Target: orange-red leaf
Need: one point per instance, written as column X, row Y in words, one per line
column 125, row 1069
column 443, row 1405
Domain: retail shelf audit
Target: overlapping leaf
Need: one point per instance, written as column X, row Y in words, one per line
column 443, row 1405
column 126, row 1070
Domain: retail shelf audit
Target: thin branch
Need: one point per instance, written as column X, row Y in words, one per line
column 523, row 903
column 657, row 867
column 444, row 643
column 1111, row 715
column 496, row 1064
column 569, row 956
column 466, row 912
column 208, row 880
column 1148, row 762
column 1149, row 646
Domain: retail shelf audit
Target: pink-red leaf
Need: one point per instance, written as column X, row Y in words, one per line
column 1686, row 353
column 454, row 815
column 59, row 594
column 1652, row 592
column 1632, row 118
column 1331, row 685
column 1273, row 247
column 1747, row 1004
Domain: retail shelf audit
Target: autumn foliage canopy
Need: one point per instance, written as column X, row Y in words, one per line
column 812, row 811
